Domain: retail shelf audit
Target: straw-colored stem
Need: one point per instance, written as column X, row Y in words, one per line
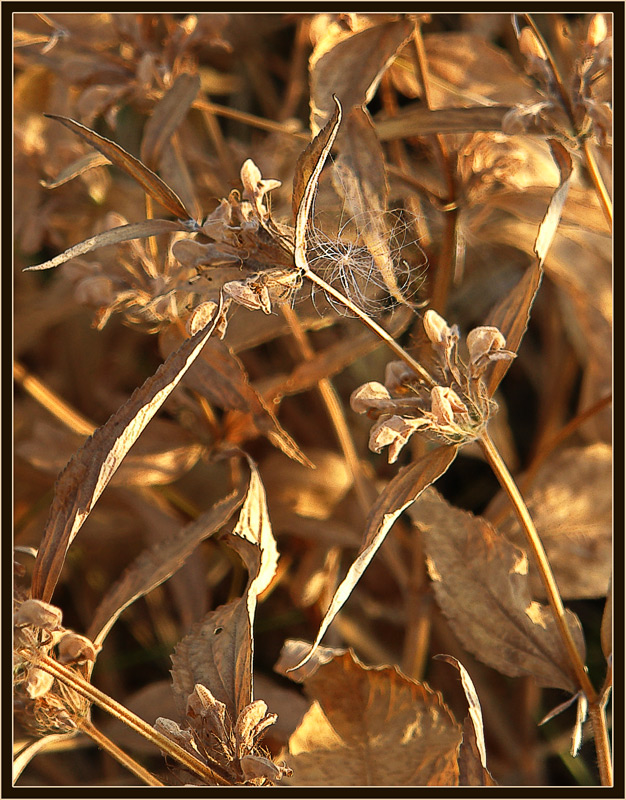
column 532, row 537
column 335, row 412
column 372, row 325
column 85, row 689
column 597, row 715
column 117, row 753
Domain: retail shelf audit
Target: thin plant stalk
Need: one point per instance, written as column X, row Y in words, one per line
column 335, row 412
column 532, row 537
column 601, row 190
column 371, row 324
column 117, row 753
column 120, row 712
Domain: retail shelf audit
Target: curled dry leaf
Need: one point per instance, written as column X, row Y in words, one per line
column 397, row 496
column 218, row 651
column 92, row 467
column 551, row 220
column 294, row 650
column 372, row 727
column 482, row 585
column 570, row 501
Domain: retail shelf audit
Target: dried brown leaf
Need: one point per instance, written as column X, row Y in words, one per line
column 421, row 121
column 482, row 585
column 156, row 565
column 551, row 220
column 166, row 116
column 373, row 727
column 308, row 169
column 135, row 230
column 570, row 500
column 91, row 468
column 217, row 653
column 511, row 317
column 399, row 494
column 350, row 65
column 148, row 180
column 294, row 650
column 76, row 168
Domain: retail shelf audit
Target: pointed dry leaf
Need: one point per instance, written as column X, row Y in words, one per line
column 482, row 585
column 76, row 168
column 471, row 770
column 475, row 713
column 373, row 727
column 135, row 230
column 307, row 175
column 511, row 317
column 551, row 220
column 157, row 564
column 91, row 468
column 148, row 180
column 351, row 65
column 167, row 115
column 362, row 180
column 218, row 651
column 570, row 501
column 398, row 495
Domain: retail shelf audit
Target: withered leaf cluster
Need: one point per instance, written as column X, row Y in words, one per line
column 252, row 252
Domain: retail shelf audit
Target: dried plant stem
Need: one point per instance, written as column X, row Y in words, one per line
column 532, row 537
column 372, row 325
column 335, row 412
column 249, row 119
column 52, row 402
column 117, row 753
column 597, row 715
column 601, row 190
column 84, row 688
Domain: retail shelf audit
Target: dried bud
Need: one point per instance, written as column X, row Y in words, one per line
column 254, row 188
column 399, row 376
column 38, row 683
column 258, row 767
column 371, row 396
column 173, row 731
column 437, row 329
column 483, row 341
column 395, row 432
column 445, row 403
column 250, row 724
column 75, row 649
column 39, row 614
column 250, row 294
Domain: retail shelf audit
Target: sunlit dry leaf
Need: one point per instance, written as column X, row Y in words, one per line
column 167, row 115
column 157, row 564
column 471, row 770
column 421, row 121
column 217, row 653
column 570, row 500
column 362, row 180
column 550, row 222
column 397, row 496
column 351, row 66
column 91, row 468
column 76, row 168
column 482, row 585
column 373, row 727
column 135, row 230
column 147, row 179
column 472, row 755
column 307, row 174
column 511, row 317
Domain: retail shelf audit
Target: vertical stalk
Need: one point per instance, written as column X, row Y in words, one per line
column 532, row 537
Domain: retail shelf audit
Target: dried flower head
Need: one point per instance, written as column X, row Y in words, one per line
column 456, row 408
